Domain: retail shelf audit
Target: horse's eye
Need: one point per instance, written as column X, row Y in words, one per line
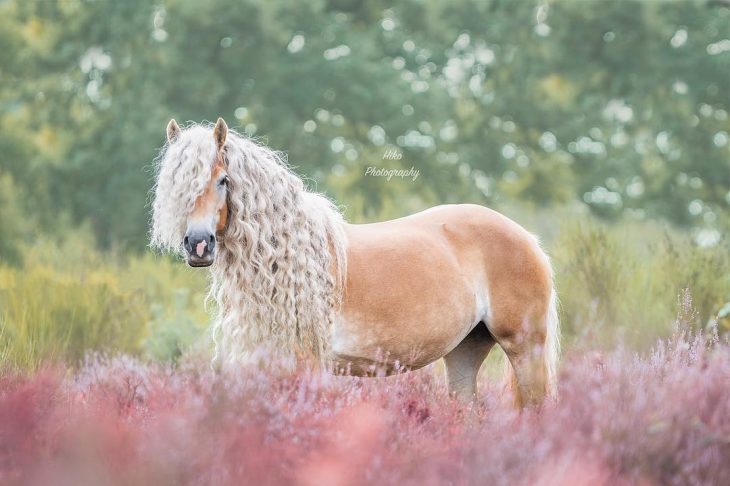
column 223, row 182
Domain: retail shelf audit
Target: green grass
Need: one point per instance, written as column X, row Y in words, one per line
column 617, row 284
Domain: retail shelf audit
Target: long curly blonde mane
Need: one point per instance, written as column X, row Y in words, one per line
column 279, row 270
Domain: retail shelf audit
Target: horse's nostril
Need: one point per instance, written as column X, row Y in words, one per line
column 199, row 243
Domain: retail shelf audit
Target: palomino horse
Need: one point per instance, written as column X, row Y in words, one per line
column 288, row 271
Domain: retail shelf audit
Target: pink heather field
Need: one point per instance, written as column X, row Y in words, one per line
column 364, row 187
column 661, row 417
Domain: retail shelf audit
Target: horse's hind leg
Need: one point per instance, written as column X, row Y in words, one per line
column 463, row 362
column 529, row 380
column 524, row 344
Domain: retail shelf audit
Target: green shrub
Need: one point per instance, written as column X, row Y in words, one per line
column 622, row 282
column 49, row 316
column 173, row 329
column 14, row 222
column 68, row 299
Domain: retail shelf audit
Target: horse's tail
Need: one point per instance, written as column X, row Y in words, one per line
column 552, row 346
column 551, row 351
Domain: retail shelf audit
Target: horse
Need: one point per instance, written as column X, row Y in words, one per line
column 287, row 271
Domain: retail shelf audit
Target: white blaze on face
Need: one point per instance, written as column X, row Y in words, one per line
column 200, row 248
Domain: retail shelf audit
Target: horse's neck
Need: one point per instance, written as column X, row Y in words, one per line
column 332, row 224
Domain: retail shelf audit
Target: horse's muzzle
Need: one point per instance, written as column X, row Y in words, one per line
column 200, row 247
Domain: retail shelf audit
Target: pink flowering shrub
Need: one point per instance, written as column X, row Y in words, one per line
column 622, row 418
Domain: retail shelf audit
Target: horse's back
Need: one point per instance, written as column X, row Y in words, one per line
column 476, row 236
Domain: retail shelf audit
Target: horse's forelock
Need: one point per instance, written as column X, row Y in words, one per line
column 183, row 171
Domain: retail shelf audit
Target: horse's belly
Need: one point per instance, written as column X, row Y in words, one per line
column 404, row 313
column 421, row 338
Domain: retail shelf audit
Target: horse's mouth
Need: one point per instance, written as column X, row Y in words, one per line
column 196, row 262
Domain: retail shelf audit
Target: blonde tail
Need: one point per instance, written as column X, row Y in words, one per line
column 551, row 353
column 552, row 346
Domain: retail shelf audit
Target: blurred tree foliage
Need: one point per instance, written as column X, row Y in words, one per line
column 621, row 106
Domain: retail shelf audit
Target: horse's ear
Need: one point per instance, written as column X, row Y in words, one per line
column 220, row 132
column 173, row 130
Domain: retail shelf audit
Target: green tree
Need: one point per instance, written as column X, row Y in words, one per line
column 616, row 105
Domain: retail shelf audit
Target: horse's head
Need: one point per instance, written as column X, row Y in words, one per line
column 209, row 216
